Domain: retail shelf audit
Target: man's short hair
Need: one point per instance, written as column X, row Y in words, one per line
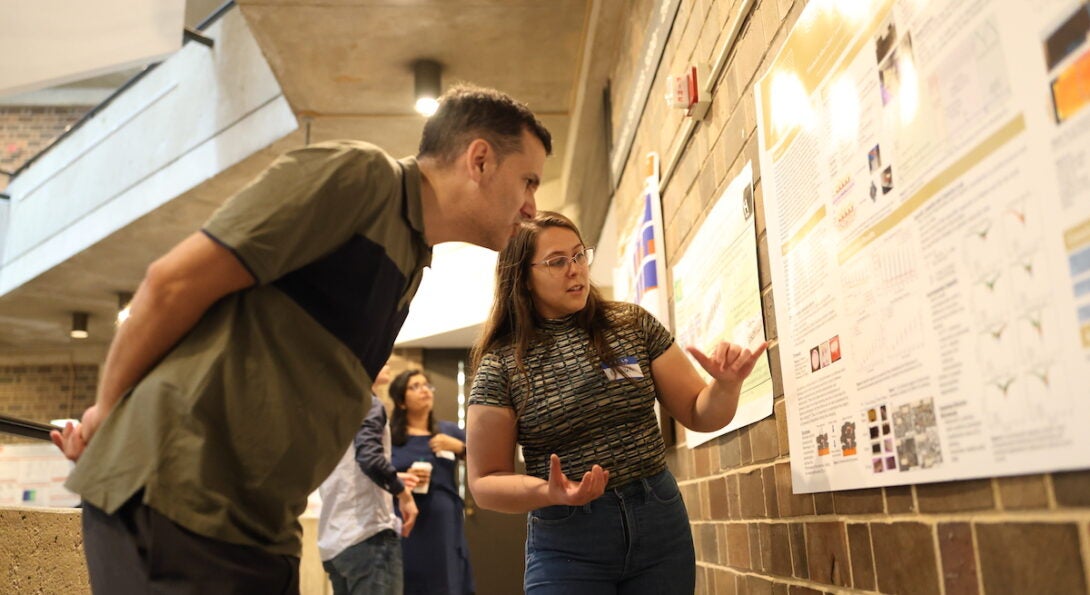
column 467, row 112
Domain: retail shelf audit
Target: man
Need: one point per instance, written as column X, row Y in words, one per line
column 358, row 530
column 232, row 390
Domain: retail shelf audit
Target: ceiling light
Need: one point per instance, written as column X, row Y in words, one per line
column 124, row 299
column 426, row 79
column 79, row 325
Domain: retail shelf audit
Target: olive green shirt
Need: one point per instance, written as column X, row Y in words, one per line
column 241, row 420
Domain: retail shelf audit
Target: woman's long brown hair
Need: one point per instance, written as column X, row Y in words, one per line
column 514, row 320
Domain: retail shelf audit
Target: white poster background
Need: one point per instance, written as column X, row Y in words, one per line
column 717, row 297
column 34, row 475
column 926, row 171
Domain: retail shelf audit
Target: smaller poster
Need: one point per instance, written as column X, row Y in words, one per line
column 641, row 272
column 717, row 296
column 34, row 475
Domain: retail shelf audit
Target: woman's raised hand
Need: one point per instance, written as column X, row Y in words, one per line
column 729, row 363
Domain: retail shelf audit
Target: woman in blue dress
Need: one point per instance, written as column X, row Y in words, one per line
column 436, row 555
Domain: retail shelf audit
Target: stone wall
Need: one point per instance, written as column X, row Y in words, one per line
column 41, row 551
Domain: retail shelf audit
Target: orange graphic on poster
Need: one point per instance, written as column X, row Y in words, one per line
column 1071, row 90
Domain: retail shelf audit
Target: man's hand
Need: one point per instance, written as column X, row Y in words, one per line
column 74, row 438
column 564, row 491
column 409, row 480
column 422, row 476
column 408, row 509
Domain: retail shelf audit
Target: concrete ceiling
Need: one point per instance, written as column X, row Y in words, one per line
column 344, row 66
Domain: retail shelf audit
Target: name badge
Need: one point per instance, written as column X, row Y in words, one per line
column 626, row 367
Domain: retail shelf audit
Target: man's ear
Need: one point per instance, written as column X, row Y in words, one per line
column 477, row 157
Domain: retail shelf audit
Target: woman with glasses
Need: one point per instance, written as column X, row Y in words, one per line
column 574, row 379
column 435, row 555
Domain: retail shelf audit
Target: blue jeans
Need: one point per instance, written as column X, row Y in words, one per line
column 371, row 567
column 634, row 540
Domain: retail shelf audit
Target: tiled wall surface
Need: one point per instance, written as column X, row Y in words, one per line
column 1004, row 535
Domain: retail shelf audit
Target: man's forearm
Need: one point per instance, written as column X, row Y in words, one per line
column 161, row 316
column 131, row 355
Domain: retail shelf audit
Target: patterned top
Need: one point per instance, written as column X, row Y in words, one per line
column 568, row 403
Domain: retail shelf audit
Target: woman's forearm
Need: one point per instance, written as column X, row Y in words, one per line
column 715, row 406
column 510, row 492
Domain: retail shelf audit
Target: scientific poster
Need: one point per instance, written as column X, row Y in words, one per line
column 717, row 296
column 640, row 275
column 926, row 172
column 34, row 475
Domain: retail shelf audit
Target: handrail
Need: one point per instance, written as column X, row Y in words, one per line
column 212, row 18
column 25, row 428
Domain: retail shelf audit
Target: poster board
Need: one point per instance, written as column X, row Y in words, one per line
column 34, row 475
column 717, row 297
column 928, row 202
column 640, row 275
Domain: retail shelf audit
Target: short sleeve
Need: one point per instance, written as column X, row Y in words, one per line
column 657, row 338
column 305, row 205
column 490, row 385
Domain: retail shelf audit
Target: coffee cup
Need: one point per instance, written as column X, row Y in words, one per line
column 422, row 487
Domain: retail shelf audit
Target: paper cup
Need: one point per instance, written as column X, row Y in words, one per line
column 422, row 487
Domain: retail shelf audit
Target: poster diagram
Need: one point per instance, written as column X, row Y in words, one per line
column 926, row 171
column 717, row 296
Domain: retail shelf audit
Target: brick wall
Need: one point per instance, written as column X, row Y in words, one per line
column 1004, row 535
column 41, row 392
column 24, row 131
column 44, row 392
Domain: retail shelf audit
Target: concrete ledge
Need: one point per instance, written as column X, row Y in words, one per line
column 41, row 551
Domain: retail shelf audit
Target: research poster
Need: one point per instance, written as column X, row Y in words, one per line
column 717, row 296
column 640, row 275
column 34, row 475
column 926, row 172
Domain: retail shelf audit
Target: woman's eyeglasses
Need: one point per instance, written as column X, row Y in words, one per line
column 416, row 387
column 558, row 265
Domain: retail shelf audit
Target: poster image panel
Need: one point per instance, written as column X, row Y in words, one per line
column 928, row 220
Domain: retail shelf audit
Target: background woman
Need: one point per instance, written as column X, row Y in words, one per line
column 574, row 379
column 436, row 555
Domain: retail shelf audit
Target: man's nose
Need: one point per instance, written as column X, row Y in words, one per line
column 529, row 207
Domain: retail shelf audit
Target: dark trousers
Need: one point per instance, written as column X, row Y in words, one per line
column 138, row 550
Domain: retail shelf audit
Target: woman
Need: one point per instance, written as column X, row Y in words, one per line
column 435, row 555
column 574, row 379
